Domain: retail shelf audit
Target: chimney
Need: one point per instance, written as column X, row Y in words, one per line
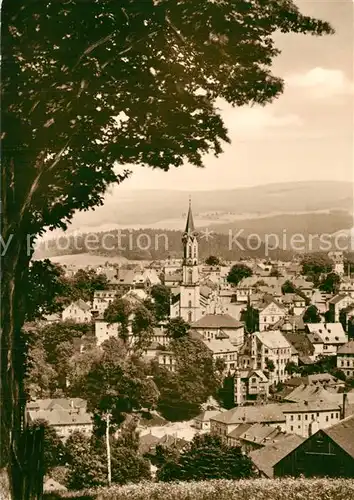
column 344, row 404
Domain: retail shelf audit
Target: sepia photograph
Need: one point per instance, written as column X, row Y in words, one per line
column 177, row 250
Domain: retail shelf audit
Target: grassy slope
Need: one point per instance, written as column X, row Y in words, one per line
column 265, row 489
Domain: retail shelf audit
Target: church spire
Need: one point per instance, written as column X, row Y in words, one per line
column 190, row 223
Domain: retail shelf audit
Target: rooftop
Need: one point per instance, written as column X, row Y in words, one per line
column 223, row 321
column 274, row 339
column 265, row 458
column 347, row 348
column 342, row 433
column 251, row 414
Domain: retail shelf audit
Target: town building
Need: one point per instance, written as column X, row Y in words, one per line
column 101, row 300
column 64, row 415
column 202, row 421
column 326, row 337
column 338, row 262
column 221, row 348
column 166, row 359
column 226, row 422
column 346, row 287
column 327, row 453
column 267, row 351
column 345, row 358
column 337, row 303
column 271, row 314
column 79, row 312
column 266, row 458
column 105, row 330
column 211, row 326
column 250, row 385
column 308, row 417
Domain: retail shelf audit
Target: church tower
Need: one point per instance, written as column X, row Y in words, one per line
column 190, row 290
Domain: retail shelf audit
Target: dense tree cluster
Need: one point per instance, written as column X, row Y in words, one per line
column 311, row 315
column 207, row 457
column 238, row 272
column 316, row 266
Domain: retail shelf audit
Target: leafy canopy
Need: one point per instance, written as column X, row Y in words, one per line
column 205, row 458
column 127, row 82
column 238, row 272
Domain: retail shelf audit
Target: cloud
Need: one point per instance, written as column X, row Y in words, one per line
column 250, row 121
column 322, row 82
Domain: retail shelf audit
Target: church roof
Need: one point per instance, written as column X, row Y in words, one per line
column 190, row 223
column 217, row 321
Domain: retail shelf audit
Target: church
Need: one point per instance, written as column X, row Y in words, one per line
column 194, row 299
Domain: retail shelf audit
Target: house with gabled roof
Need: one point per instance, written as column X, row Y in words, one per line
column 210, row 326
column 332, row 336
column 345, row 358
column 337, row 303
column 224, row 423
column 327, row 453
column 78, row 311
column 268, row 351
column 270, row 314
column 266, row 458
column 250, row 385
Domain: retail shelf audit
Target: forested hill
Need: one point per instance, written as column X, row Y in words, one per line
column 151, row 244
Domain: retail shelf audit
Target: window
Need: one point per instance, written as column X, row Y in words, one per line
column 299, row 417
column 291, row 427
column 331, row 415
column 189, row 304
column 291, row 417
column 189, row 316
column 190, row 276
column 306, row 417
column 327, row 418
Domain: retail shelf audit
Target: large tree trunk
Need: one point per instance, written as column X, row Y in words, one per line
column 14, row 269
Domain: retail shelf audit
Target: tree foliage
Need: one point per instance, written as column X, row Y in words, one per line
column 177, row 328
column 315, row 266
column 117, row 384
column 87, row 468
column 238, row 272
column 195, row 379
column 330, row 283
column 161, row 301
column 250, row 316
column 48, row 289
column 212, row 260
column 311, row 315
column 207, row 457
column 85, row 282
column 54, row 449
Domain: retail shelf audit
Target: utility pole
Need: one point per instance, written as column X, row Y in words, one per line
column 109, row 469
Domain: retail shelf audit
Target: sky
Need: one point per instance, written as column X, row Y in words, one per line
column 306, row 134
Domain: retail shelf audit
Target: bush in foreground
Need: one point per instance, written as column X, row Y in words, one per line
column 265, row 489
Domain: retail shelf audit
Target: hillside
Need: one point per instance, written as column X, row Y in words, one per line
column 165, row 209
column 153, row 244
column 285, row 226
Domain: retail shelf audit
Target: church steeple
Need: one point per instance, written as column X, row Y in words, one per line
column 190, row 241
column 190, row 223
